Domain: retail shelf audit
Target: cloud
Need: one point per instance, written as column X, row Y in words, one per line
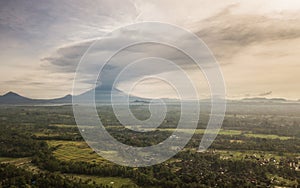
column 266, row 93
column 66, row 59
column 125, row 50
column 226, row 33
column 251, row 37
column 232, row 37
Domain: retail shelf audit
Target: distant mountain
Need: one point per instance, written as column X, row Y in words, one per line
column 102, row 95
column 263, row 99
column 141, row 101
column 14, row 98
column 65, row 99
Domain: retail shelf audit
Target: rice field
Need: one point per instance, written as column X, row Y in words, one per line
column 75, row 151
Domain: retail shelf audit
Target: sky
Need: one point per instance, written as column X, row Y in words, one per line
column 256, row 43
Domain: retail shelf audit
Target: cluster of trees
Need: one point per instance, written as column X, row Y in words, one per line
column 46, row 161
column 210, row 170
column 264, row 124
column 225, row 142
column 14, row 143
column 11, row 176
column 186, row 169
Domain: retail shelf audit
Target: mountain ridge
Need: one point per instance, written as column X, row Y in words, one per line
column 15, row 98
column 104, row 95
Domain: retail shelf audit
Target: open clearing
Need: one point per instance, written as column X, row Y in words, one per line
column 75, row 151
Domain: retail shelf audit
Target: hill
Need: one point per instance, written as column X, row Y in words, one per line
column 14, row 99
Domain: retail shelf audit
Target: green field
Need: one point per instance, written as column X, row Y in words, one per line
column 114, row 182
column 6, row 159
column 75, row 151
column 15, row 161
column 202, row 131
column 268, row 136
column 62, row 125
column 231, row 132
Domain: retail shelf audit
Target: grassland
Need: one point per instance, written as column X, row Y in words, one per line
column 75, row 151
column 6, row 159
column 268, row 136
column 15, row 161
column 231, row 132
column 114, row 182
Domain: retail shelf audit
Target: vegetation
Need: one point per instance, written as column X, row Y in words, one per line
column 41, row 146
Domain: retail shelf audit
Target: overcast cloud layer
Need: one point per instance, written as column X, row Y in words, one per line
column 256, row 42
